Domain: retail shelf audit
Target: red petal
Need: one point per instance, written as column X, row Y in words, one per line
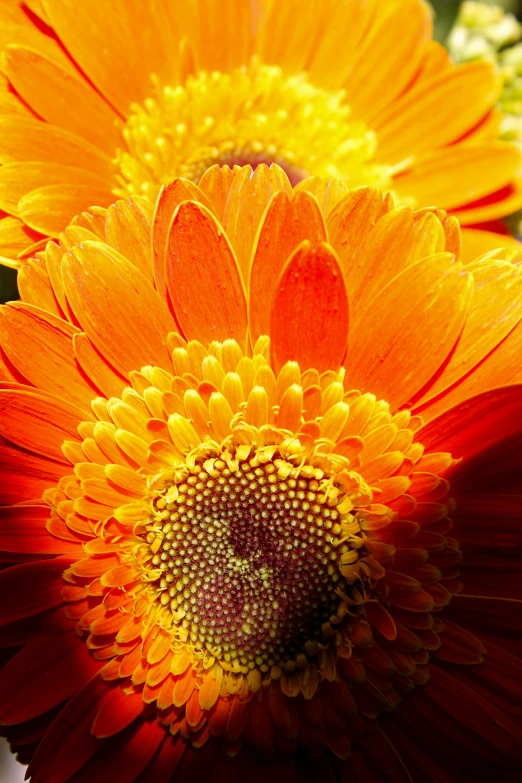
column 69, row 744
column 31, row 588
column 117, row 711
column 459, row 645
column 126, row 756
column 309, row 320
column 48, row 670
column 476, row 425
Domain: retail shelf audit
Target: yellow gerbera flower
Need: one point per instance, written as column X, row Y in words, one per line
column 105, row 100
column 239, row 555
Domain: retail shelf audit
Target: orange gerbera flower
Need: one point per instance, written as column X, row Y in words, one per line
column 100, row 101
column 236, row 552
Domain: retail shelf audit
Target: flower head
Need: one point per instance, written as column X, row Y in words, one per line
column 248, row 438
column 99, row 103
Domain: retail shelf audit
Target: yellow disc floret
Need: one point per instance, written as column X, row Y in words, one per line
column 246, row 546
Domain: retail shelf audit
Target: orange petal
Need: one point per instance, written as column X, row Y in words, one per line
column 17, row 26
column 50, row 208
column 132, row 331
column 15, row 237
column 35, row 285
column 343, row 30
column 398, row 240
column 38, row 423
column 210, row 687
column 476, row 242
column 287, row 223
column 61, row 98
column 224, row 42
column 183, row 688
column 126, row 28
column 26, row 476
column 380, row 73
column 500, row 368
column 169, row 199
column 119, row 576
column 203, row 278
column 424, row 119
column 97, row 369
column 128, row 229
column 40, row 346
column 249, row 195
column 309, row 319
column 495, row 309
column 25, row 139
column 352, row 220
column 409, row 329
column 284, row 38
column 18, row 179
column 10, row 103
column 328, row 192
column 482, row 170
column 23, row 529
column 215, row 184
column 43, row 674
column 492, row 206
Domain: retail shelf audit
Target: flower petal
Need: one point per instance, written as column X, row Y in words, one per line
column 40, row 346
column 26, row 139
column 476, row 424
column 248, row 197
column 476, row 242
column 61, row 98
column 169, row 199
column 117, row 711
column 132, row 331
column 495, row 309
column 379, row 74
column 68, row 743
column 23, row 529
column 286, row 223
column 26, row 476
column 415, row 124
column 38, row 422
column 34, row 286
column 392, row 345
column 482, row 170
column 132, row 33
column 15, row 237
column 50, row 208
column 46, row 672
column 203, row 278
column 309, row 319
column 31, row 588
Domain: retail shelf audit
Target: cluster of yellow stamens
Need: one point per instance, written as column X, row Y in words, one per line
column 254, row 114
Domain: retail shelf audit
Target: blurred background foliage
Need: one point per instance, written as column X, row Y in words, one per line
column 445, row 14
column 7, row 281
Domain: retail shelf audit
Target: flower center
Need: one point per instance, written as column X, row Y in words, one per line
column 254, row 114
column 245, row 553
